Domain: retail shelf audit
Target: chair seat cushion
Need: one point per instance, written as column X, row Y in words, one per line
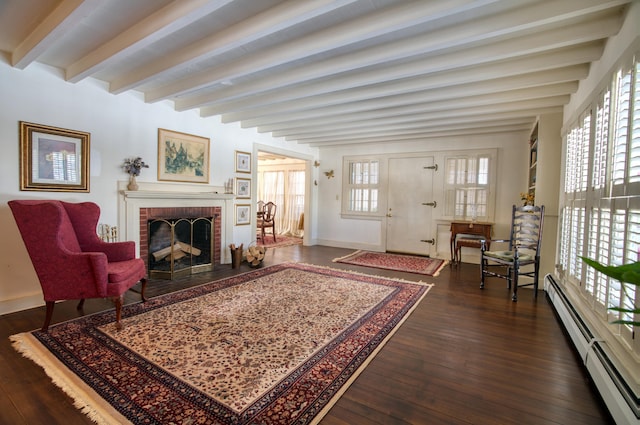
column 121, row 271
column 507, row 256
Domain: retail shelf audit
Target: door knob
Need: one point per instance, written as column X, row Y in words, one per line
column 430, row 204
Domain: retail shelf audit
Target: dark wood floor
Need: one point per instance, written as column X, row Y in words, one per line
column 465, row 356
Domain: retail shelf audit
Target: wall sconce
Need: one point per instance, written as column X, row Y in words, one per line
column 316, row 163
column 329, row 174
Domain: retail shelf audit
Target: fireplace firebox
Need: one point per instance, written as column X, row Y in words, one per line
column 180, row 247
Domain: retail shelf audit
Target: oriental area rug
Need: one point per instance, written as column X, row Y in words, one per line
column 281, row 240
column 278, row 345
column 398, row 262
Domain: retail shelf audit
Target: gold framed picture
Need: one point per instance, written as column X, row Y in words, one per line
column 182, row 157
column 243, row 214
column 53, row 159
column 243, row 162
column 243, row 188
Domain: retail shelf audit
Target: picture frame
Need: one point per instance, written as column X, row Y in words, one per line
column 182, row 157
column 243, row 162
column 53, row 159
column 243, row 188
column 243, row 214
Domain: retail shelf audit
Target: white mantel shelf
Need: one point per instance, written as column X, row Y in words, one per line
column 158, row 195
column 147, row 194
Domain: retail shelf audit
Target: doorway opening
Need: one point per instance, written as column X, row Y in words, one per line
column 283, row 180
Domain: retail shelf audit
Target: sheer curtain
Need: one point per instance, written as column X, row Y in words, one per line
column 285, row 188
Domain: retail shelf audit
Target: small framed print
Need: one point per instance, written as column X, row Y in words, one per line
column 243, row 215
column 243, row 188
column 53, row 159
column 243, row 162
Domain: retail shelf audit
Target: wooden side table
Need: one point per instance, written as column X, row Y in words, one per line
column 468, row 234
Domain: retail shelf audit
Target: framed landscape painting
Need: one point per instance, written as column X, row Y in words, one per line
column 53, row 159
column 182, row 157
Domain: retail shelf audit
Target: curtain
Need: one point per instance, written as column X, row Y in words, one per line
column 285, row 188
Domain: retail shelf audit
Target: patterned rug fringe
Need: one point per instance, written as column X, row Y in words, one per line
column 84, row 398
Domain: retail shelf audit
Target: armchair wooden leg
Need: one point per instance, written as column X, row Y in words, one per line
column 48, row 316
column 143, row 287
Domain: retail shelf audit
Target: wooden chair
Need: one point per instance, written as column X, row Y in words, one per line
column 524, row 250
column 71, row 261
column 267, row 220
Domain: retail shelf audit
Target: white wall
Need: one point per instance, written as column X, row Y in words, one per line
column 121, row 126
column 334, row 230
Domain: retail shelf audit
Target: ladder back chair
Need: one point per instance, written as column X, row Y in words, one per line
column 523, row 251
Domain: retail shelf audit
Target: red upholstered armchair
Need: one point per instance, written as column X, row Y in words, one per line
column 71, row 262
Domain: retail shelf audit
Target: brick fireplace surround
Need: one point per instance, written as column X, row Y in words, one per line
column 163, row 200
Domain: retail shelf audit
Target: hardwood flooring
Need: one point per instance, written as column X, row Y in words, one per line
column 464, row 356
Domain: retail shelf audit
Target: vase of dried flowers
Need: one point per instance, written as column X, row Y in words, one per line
column 133, row 184
column 133, row 166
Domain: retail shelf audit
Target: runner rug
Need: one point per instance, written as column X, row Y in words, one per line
column 278, row 345
column 398, row 262
column 280, row 241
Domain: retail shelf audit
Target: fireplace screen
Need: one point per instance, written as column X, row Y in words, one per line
column 180, row 246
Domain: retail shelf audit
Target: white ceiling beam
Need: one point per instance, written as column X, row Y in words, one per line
column 423, row 110
column 343, row 111
column 436, row 116
column 560, row 58
column 556, row 38
column 502, row 116
column 412, row 103
column 406, row 15
column 66, row 15
column 413, row 121
column 160, row 24
column 425, row 135
column 298, row 97
column 529, row 18
column 264, row 24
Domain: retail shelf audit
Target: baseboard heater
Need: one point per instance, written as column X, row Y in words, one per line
column 620, row 399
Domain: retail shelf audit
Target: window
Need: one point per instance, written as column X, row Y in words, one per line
column 467, row 187
column 601, row 201
column 362, row 186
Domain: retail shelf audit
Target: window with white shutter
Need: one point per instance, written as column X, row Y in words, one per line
column 601, row 201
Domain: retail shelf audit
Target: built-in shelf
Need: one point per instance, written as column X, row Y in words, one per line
column 533, row 160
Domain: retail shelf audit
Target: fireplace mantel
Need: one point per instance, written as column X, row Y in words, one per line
column 167, row 195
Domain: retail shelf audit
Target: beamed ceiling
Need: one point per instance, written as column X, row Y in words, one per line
column 323, row 72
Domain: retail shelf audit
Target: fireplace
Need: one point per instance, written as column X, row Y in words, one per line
column 180, row 241
column 171, row 202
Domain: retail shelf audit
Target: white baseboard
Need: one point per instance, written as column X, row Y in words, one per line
column 622, row 403
column 22, row 303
